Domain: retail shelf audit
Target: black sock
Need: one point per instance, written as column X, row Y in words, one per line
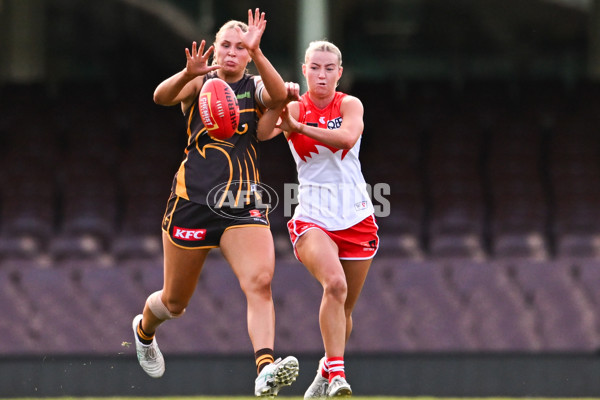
column 263, row 358
column 143, row 336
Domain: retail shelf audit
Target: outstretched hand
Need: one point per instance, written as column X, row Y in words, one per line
column 256, row 26
column 197, row 60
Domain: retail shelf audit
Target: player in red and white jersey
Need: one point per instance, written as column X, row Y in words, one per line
column 332, row 191
column 333, row 228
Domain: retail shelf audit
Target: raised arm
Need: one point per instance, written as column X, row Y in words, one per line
column 181, row 87
column 275, row 91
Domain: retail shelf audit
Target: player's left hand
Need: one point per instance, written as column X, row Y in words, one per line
column 256, row 27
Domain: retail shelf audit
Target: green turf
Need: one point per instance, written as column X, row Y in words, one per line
column 300, row 398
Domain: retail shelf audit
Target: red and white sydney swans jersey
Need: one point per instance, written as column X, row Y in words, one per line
column 332, row 191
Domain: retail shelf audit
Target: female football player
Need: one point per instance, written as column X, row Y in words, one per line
column 199, row 218
column 333, row 228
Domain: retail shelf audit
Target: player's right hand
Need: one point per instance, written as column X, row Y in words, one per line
column 197, row 60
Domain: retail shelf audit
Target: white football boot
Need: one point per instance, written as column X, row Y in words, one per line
column 338, row 387
column 149, row 355
column 275, row 376
column 318, row 388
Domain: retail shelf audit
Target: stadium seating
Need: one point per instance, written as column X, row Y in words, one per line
column 490, row 243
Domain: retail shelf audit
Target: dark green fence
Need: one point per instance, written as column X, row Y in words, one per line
column 481, row 375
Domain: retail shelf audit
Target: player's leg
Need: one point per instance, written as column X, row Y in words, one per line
column 182, row 269
column 356, row 243
column 356, row 274
column 320, row 256
column 250, row 252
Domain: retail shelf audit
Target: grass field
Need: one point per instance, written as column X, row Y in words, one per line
column 246, row 398
column 300, row 398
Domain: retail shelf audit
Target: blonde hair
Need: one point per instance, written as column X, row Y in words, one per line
column 323, row 45
column 226, row 26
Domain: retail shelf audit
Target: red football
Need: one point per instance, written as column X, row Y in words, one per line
column 219, row 109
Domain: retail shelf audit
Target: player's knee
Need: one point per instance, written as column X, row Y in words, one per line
column 336, row 288
column 260, row 283
column 258, row 287
column 164, row 311
column 263, row 280
column 176, row 308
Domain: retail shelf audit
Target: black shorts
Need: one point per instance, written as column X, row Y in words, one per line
column 197, row 226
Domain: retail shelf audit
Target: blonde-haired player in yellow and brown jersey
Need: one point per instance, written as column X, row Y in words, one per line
column 213, row 200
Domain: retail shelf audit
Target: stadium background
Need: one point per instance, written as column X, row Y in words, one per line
column 481, row 115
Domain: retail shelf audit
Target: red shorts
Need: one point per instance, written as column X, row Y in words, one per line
column 359, row 242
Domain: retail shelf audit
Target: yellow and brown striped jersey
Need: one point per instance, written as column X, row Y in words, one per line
column 222, row 172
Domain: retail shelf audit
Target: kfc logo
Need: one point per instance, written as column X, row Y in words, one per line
column 189, row 234
column 255, row 213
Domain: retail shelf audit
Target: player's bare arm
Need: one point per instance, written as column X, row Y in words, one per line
column 344, row 137
column 268, row 125
column 184, row 85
